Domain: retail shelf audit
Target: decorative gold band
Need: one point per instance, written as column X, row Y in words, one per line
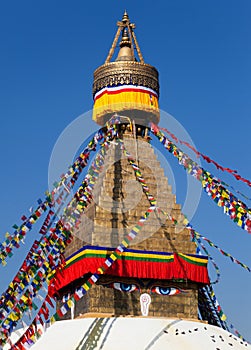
column 126, row 73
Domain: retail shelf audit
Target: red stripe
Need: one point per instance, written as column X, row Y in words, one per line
column 179, row 268
column 114, row 92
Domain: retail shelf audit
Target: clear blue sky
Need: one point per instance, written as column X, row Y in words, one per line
column 202, row 50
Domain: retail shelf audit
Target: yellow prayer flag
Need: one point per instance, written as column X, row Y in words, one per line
column 85, row 286
column 70, row 303
column 24, row 298
column 125, row 244
column 13, row 317
column 113, row 257
column 239, row 223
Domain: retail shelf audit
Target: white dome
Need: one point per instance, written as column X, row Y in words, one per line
column 136, row 333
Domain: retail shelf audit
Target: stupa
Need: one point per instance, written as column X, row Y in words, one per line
column 154, row 291
column 159, row 275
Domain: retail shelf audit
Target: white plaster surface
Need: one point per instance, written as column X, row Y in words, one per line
column 136, row 333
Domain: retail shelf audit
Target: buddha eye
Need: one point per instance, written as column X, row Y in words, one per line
column 165, row 290
column 124, row 287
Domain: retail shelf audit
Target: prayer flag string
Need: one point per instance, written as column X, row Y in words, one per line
column 82, row 290
column 234, row 260
column 13, row 240
column 11, row 320
column 232, row 206
column 70, row 220
column 209, row 160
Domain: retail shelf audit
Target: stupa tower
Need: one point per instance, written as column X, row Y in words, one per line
column 161, row 261
column 131, row 277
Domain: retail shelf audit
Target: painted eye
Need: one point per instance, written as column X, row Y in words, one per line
column 165, row 290
column 124, row 287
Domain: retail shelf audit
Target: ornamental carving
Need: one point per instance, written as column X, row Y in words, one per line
column 126, row 73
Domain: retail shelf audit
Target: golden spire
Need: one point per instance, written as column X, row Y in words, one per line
column 128, row 41
column 127, row 85
column 125, row 17
column 126, row 52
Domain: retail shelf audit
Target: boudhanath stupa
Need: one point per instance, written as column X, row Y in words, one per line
column 132, row 276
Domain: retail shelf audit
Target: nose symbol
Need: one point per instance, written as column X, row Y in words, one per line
column 145, row 301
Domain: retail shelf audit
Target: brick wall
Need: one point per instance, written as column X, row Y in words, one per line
column 118, row 204
column 106, row 300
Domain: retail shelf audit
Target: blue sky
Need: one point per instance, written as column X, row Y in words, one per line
column 202, row 50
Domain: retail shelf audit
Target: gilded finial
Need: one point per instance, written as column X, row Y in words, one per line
column 128, row 42
column 125, row 40
column 125, row 17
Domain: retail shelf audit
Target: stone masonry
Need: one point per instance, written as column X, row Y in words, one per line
column 118, row 204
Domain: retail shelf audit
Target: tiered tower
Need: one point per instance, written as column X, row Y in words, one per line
column 129, row 87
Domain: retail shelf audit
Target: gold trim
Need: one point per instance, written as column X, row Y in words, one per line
column 125, row 73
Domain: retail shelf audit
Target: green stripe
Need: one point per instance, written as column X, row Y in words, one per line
column 145, row 259
column 86, row 256
column 192, row 261
column 88, row 284
column 167, row 260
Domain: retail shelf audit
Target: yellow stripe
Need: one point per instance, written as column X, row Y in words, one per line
column 126, row 254
column 193, row 258
column 153, row 256
column 85, row 252
column 111, row 103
